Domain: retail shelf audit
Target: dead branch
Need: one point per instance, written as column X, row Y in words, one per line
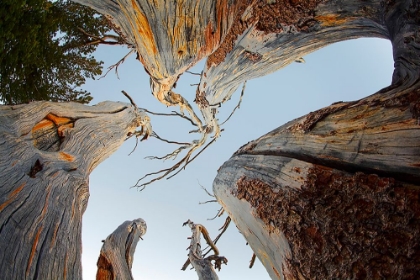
column 251, row 263
column 174, row 113
column 208, row 201
column 117, row 64
column 184, row 161
column 172, row 155
column 155, row 135
column 219, row 213
column 192, row 73
column 223, row 229
column 188, row 161
column 116, row 40
column 209, row 194
column 202, row 265
column 129, row 98
column 237, row 106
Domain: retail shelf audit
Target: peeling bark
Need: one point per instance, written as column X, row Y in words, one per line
column 335, row 193
column 116, row 257
column 48, row 151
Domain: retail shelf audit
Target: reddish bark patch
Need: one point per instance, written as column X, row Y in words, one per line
column 343, row 226
column 313, row 118
column 201, row 100
column 298, row 13
column 238, row 27
column 270, row 18
column 105, row 269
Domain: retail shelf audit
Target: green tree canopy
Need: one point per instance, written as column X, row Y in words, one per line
column 46, row 50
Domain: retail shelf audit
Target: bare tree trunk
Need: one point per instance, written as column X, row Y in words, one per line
column 335, row 194
column 48, row 151
column 116, row 257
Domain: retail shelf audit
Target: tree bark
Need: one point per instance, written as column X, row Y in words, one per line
column 271, row 36
column 335, row 194
column 48, row 151
column 116, row 257
column 340, row 200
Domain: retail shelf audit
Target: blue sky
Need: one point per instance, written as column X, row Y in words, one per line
column 341, row 72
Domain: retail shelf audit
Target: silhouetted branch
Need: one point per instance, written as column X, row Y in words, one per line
column 237, row 106
column 117, row 64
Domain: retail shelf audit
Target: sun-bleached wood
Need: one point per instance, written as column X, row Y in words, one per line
column 116, row 257
column 203, row 266
column 358, row 153
column 48, row 151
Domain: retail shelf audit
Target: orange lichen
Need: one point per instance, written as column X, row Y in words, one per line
column 66, row 156
column 12, row 196
column 331, row 20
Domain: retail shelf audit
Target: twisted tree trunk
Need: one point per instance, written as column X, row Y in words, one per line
column 48, row 151
column 336, row 193
column 364, row 153
column 116, row 257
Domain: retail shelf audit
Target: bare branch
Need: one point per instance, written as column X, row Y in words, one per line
column 208, row 201
column 212, row 195
column 117, row 64
column 184, row 161
column 129, row 98
column 174, row 113
column 237, row 106
column 189, row 72
column 219, row 213
column 172, row 155
column 117, row 40
column 154, row 134
column 189, row 161
column 202, row 265
column 135, row 146
column 223, row 229
column 251, row 263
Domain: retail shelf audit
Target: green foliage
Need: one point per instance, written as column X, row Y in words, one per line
column 43, row 53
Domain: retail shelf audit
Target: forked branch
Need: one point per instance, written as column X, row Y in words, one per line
column 116, row 65
column 203, row 266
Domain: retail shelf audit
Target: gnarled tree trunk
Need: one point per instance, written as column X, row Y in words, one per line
column 116, row 257
column 48, row 151
column 336, row 194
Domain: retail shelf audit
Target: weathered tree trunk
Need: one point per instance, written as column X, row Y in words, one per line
column 116, row 257
column 245, row 39
column 47, row 152
column 273, row 34
column 336, row 194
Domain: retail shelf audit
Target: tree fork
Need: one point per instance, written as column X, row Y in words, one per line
column 48, row 152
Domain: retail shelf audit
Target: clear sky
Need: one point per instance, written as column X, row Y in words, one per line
column 341, row 72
